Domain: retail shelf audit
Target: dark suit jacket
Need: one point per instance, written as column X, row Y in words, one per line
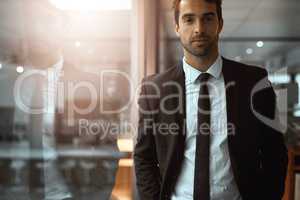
column 257, row 151
column 103, row 175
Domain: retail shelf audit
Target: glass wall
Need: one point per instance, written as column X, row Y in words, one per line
column 65, row 72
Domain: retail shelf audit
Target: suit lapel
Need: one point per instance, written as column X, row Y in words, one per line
column 181, row 115
column 176, row 141
column 231, row 89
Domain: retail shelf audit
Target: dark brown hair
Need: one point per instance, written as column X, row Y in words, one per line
column 217, row 2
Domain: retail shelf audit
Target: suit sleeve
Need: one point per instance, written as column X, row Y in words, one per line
column 146, row 165
column 274, row 157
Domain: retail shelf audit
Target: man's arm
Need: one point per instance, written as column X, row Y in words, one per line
column 274, row 157
column 146, row 165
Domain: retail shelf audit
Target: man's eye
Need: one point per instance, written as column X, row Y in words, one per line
column 188, row 20
column 208, row 19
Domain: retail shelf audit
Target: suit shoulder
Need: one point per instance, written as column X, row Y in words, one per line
column 246, row 67
column 246, row 71
column 161, row 77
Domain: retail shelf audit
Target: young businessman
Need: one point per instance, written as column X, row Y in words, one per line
column 39, row 85
column 205, row 128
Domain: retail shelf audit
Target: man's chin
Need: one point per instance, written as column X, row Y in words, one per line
column 200, row 52
column 38, row 53
column 197, row 50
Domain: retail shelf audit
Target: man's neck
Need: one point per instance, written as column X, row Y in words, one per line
column 44, row 62
column 201, row 63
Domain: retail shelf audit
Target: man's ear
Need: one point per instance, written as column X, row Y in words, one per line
column 177, row 29
column 221, row 26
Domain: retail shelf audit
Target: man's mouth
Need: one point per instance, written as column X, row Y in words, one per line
column 200, row 40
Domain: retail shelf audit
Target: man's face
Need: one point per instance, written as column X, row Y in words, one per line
column 42, row 30
column 198, row 27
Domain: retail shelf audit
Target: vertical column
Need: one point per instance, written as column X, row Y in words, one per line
column 144, row 48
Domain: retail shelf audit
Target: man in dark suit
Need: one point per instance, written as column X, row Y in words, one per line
column 207, row 127
column 46, row 175
column 37, row 85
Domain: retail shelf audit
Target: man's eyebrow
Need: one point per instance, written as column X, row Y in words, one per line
column 209, row 14
column 188, row 15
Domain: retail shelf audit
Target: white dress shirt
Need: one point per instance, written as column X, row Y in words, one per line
column 222, row 183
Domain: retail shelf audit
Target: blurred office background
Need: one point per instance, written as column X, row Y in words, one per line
column 135, row 38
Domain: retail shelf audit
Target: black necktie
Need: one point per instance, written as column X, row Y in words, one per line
column 201, row 178
column 36, row 172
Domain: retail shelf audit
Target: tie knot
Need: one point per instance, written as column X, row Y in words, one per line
column 204, row 77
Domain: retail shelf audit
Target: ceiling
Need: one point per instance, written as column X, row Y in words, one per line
column 275, row 22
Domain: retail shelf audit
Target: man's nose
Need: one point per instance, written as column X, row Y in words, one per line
column 198, row 27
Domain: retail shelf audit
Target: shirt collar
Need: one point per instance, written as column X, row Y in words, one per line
column 52, row 74
column 191, row 73
column 56, row 67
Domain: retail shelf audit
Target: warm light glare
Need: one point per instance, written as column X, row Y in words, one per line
column 20, row 69
column 125, row 145
column 77, row 44
column 92, row 5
